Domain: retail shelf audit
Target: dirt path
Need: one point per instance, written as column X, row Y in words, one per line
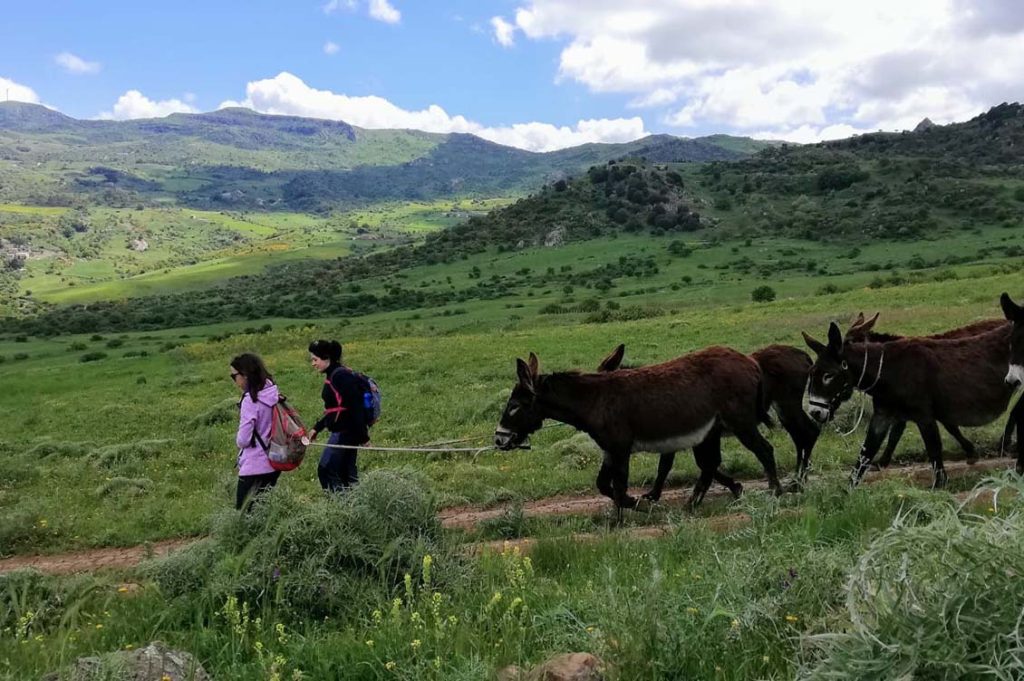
column 467, row 518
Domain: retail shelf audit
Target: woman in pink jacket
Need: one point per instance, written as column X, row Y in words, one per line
column 259, row 395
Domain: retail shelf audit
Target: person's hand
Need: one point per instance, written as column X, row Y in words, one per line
column 312, row 435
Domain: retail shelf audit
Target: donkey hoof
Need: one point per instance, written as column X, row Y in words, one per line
column 939, row 480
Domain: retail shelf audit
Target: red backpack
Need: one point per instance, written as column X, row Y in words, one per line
column 284, row 449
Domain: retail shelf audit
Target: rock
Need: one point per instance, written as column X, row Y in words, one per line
column 924, row 125
column 569, row 667
column 510, row 673
column 155, row 662
column 555, row 237
column 139, row 245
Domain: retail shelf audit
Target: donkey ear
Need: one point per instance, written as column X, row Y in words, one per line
column 835, row 339
column 525, row 375
column 1012, row 310
column 614, row 360
column 818, row 347
column 534, row 365
column 867, row 326
column 858, row 321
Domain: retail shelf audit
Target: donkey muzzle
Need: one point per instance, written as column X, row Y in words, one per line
column 1015, row 376
column 819, row 411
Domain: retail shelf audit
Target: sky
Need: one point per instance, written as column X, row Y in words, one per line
column 535, row 74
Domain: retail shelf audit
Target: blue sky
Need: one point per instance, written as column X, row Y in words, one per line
column 526, row 73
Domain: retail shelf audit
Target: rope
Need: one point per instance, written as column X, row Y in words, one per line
column 402, row 449
column 863, row 395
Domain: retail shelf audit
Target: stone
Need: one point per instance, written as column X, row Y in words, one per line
column 569, row 667
column 155, row 662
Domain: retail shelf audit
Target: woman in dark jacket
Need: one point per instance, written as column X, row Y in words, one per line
column 343, row 416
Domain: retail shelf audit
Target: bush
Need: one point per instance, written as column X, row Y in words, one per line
column 763, row 294
column 18, row 356
column 115, row 343
column 827, row 290
column 77, row 347
column 312, row 557
column 938, row 600
column 92, row 357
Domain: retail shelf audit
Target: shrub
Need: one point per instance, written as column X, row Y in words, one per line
column 92, row 357
column 115, row 343
column 763, row 294
column 18, row 356
column 312, row 557
column 937, row 600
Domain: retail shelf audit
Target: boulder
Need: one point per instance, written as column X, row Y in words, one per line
column 155, row 662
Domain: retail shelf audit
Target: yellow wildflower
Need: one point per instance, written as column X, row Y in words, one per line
column 390, row 666
column 792, row 618
column 369, row 643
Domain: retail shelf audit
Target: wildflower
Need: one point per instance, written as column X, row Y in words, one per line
column 166, row 677
column 99, row 626
column 453, row 620
column 991, row 510
column 128, row 646
column 735, row 624
column 122, row 590
column 282, row 638
column 416, row 644
column 369, row 643
column 437, row 663
column 792, row 619
column 390, row 666
column 408, row 587
column 692, row 611
column 428, row 561
column 378, row 617
column 765, row 659
column 495, row 599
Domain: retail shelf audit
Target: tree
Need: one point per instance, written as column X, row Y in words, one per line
column 763, row 294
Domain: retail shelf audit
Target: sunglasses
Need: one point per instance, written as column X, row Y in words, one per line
column 235, row 375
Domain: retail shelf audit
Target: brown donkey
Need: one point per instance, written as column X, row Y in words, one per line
column 784, row 371
column 856, row 333
column 686, row 402
column 955, row 382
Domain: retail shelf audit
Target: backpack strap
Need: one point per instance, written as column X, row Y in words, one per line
column 337, row 396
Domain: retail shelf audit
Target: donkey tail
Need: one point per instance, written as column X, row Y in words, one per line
column 763, row 414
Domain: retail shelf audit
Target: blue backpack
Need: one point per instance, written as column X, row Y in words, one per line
column 371, row 395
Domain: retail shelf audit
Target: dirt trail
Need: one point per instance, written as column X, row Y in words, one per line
column 467, row 518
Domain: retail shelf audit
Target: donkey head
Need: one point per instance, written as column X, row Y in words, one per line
column 522, row 416
column 830, row 382
column 1015, row 313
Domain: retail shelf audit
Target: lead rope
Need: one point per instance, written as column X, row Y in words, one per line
column 864, row 391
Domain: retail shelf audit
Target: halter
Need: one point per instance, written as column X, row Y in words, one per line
column 863, row 401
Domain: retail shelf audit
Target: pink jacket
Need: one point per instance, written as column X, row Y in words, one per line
column 255, row 417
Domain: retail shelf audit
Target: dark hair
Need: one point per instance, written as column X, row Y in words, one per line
column 255, row 372
column 325, row 349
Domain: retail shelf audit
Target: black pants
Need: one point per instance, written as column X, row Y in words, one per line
column 337, row 469
column 250, row 486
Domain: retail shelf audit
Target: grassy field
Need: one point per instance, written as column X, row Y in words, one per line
column 158, row 250
column 136, row 445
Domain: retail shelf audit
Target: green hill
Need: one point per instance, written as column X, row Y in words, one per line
column 242, row 159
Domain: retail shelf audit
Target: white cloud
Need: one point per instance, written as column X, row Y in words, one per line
column 504, row 32
column 72, row 63
column 17, row 92
column 335, row 5
column 382, row 10
column 799, row 67
column 286, row 94
column 133, row 104
column 331, row 47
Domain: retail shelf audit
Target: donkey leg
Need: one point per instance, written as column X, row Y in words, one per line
column 965, row 444
column 878, row 428
column 753, row 440
column 933, row 444
column 895, row 435
column 1017, row 417
column 734, row 485
column 665, row 464
column 620, row 483
column 709, row 457
column 604, row 477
